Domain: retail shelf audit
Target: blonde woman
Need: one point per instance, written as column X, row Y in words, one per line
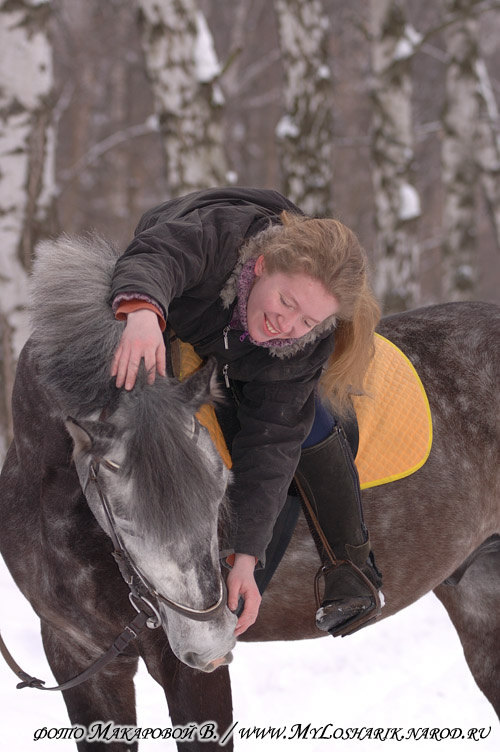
column 283, row 303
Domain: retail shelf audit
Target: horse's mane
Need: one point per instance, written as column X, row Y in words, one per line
column 173, row 484
column 74, row 337
column 74, row 332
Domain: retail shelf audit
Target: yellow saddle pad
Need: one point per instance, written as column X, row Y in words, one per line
column 395, row 425
column 185, row 362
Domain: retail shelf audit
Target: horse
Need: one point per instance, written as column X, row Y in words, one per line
column 91, row 465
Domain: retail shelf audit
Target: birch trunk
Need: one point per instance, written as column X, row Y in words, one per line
column 459, row 170
column 488, row 146
column 397, row 203
column 183, row 70
column 27, row 174
column 305, row 132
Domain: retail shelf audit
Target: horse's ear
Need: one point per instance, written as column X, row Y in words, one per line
column 203, row 386
column 80, row 434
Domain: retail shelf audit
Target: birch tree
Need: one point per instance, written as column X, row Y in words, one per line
column 397, row 203
column 305, row 132
column 26, row 175
column 459, row 169
column 488, row 145
column 184, row 73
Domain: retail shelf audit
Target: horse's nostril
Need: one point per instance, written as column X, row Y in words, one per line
column 219, row 662
column 196, row 661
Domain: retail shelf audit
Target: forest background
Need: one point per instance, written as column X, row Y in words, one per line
column 380, row 112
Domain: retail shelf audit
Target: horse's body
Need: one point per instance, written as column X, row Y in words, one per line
column 423, row 527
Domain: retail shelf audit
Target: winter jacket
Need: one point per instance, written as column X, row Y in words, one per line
column 183, row 257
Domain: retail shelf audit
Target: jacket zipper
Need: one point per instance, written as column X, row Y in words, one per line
column 225, row 334
column 225, row 368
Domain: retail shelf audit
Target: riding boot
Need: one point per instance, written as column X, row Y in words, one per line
column 328, row 481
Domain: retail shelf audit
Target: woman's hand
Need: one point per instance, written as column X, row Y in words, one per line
column 241, row 582
column 141, row 339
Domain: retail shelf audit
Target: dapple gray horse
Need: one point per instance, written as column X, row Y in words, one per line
column 81, row 446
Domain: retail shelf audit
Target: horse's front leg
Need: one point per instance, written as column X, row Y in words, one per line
column 107, row 696
column 194, row 698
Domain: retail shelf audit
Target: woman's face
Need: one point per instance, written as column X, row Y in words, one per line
column 286, row 306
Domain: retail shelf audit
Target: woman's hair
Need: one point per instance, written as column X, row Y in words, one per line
column 330, row 252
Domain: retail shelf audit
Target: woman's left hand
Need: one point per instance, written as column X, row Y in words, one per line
column 241, row 582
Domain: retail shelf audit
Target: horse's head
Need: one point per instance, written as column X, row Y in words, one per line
column 159, row 473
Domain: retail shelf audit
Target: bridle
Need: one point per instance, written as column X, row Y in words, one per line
column 143, row 597
column 141, row 589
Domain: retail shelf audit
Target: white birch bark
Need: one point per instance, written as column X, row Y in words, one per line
column 305, row 132
column 459, row 170
column 184, row 71
column 26, row 174
column 488, row 146
column 397, row 204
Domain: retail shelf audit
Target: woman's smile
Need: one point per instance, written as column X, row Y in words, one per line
column 272, row 331
column 286, row 305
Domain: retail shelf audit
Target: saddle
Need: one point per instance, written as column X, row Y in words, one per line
column 394, row 426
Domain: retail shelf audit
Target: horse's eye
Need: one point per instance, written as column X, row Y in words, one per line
column 111, row 465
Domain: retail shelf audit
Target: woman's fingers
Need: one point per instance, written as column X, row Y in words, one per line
column 250, row 612
column 241, row 582
column 141, row 340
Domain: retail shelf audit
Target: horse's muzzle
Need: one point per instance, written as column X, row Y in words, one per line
column 197, row 662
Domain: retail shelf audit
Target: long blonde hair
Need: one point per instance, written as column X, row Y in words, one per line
column 330, row 252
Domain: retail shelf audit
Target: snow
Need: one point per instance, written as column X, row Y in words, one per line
column 286, row 128
column 207, row 65
column 407, row 672
column 409, row 203
column 408, row 43
column 231, row 177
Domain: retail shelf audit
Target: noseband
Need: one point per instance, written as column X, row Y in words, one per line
column 141, row 589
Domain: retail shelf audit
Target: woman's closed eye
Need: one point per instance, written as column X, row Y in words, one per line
column 285, row 302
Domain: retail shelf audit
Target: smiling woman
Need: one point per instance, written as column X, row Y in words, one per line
column 283, row 303
column 286, row 306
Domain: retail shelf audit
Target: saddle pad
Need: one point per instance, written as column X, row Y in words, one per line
column 395, row 426
column 187, row 363
column 394, row 417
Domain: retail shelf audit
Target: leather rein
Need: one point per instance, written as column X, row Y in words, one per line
column 143, row 597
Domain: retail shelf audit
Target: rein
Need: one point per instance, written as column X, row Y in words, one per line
column 142, row 597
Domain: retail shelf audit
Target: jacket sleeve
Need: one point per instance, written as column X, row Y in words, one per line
column 167, row 259
column 275, row 419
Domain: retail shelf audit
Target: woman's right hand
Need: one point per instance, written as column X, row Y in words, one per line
column 141, row 339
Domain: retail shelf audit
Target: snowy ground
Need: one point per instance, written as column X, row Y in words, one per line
column 407, row 672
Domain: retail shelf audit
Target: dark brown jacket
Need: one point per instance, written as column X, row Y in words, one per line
column 182, row 255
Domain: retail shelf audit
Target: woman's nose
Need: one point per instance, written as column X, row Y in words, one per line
column 288, row 322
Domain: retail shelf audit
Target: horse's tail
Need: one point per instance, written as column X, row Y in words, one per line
column 74, row 332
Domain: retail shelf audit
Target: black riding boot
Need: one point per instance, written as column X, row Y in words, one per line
column 328, row 481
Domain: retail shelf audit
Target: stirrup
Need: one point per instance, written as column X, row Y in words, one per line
column 364, row 616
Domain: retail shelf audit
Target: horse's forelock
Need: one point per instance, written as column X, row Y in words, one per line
column 175, row 489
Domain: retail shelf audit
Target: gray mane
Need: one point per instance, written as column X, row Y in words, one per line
column 175, row 488
column 74, row 337
column 74, row 332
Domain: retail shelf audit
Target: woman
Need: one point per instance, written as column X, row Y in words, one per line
column 243, row 276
